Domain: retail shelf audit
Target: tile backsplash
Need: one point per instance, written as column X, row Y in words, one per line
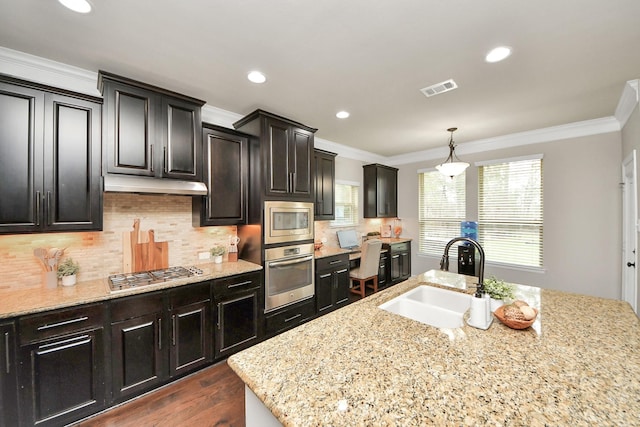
column 100, row 253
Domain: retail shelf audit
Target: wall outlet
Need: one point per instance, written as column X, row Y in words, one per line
column 204, row 255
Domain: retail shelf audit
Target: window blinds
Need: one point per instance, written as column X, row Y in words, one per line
column 510, row 211
column 441, row 208
column 346, row 205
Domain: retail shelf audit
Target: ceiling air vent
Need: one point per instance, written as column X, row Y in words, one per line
column 439, row 88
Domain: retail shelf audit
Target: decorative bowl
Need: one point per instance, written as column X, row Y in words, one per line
column 513, row 323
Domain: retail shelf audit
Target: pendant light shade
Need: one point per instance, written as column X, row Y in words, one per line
column 452, row 166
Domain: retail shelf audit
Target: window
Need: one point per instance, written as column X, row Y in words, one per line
column 346, row 204
column 441, row 207
column 510, row 210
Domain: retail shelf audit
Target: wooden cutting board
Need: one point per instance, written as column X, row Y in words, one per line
column 141, row 252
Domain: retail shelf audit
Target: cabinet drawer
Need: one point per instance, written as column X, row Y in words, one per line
column 290, row 317
column 332, row 262
column 136, row 306
column 189, row 294
column 236, row 283
column 41, row 326
column 400, row 247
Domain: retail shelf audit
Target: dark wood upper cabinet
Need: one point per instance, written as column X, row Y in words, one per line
column 50, row 177
column 324, row 180
column 226, row 173
column 286, row 155
column 150, row 131
column 380, row 191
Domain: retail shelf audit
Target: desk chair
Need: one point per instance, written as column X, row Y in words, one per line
column 368, row 270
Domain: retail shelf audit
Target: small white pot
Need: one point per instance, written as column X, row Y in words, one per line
column 69, row 280
column 217, row 259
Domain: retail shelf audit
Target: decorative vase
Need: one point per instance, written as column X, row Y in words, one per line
column 50, row 279
column 217, row 259
column 69, row 280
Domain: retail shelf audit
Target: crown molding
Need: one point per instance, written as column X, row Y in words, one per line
column 628, row 101
column 349, row 152
column 41, row 70
column 218, row 116
column 45, row 71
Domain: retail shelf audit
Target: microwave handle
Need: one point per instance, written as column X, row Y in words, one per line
column 294, row 261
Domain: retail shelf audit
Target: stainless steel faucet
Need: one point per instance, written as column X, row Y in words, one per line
column 444, row 262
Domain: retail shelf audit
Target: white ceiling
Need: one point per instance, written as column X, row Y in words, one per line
column 570, row 62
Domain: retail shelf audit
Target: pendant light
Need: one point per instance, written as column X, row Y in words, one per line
column 452, row 166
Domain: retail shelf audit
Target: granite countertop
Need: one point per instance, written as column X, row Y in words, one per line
column 579, row 364
column 34, row 300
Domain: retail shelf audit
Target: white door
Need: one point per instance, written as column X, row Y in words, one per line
column 629, row 231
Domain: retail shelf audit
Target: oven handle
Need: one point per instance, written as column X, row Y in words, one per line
column 295, row 261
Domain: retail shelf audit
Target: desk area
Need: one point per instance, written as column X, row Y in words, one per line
column 395, row 259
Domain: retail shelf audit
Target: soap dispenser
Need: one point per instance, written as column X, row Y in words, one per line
column 480, row 313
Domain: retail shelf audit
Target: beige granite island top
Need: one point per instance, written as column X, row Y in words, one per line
column 36, row 299
column 578, row 365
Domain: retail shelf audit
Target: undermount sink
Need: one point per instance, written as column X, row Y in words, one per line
column 432, row 306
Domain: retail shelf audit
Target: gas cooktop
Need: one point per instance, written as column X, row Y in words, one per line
column 124, row 281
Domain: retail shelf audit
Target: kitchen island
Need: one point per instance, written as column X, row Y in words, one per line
column 579, row 364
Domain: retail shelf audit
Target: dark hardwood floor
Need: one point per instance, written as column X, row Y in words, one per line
column 211, row 397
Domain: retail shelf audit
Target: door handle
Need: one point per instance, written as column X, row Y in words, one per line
column 631, row 264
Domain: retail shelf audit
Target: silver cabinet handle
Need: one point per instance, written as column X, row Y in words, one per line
column 292, row 318
column 165, row 159
column 159, row 333
column 37, row 208
column 342, row 271
column 173, row 330
column 324, row 276
column 235, row 285
column 219, row 315
column 338, row 261
column 151, row 157
column 66, row 322
column 7, row 353
column 48, row 207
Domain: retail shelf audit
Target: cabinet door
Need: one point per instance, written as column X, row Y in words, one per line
column 62, row 379
column 405, row 265
column 278, row 177
column 226, row 174
column 300, row 157
column 182, row 148
column 237, row 322
column 21, row 141
column 130, row 130
column 73, row 197
column 387, row 193
column 396, row 271
column 8, row 380
column 383, row 270
column 341, row 283
column 190, row 337
column 324, row 291
column 324, row 186
column 137, row 354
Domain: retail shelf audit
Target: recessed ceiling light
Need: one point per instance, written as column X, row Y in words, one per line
column 80, row 6
column 498, row 54
column 256, row 77
column 342, row 114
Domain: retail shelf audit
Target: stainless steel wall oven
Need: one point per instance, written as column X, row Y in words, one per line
column 288, row 272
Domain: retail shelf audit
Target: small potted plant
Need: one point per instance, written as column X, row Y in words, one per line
column 499, row 291
column 216, row 252
column 67, row 271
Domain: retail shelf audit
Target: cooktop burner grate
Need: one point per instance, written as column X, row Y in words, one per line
column 124, row 281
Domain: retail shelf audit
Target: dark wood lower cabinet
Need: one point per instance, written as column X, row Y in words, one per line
column 8, row 376
column 190, row 316
column 399, row 262
column 332, row 283
column 138, row 345
column 62, row 365
column 289, row 317
column 237, row 304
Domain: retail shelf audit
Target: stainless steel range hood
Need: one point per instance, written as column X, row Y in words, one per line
column 143, row 184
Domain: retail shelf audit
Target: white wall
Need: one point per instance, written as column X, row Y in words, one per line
column 582, row 214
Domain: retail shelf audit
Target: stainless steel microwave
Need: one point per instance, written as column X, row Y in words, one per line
column 287, row 222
